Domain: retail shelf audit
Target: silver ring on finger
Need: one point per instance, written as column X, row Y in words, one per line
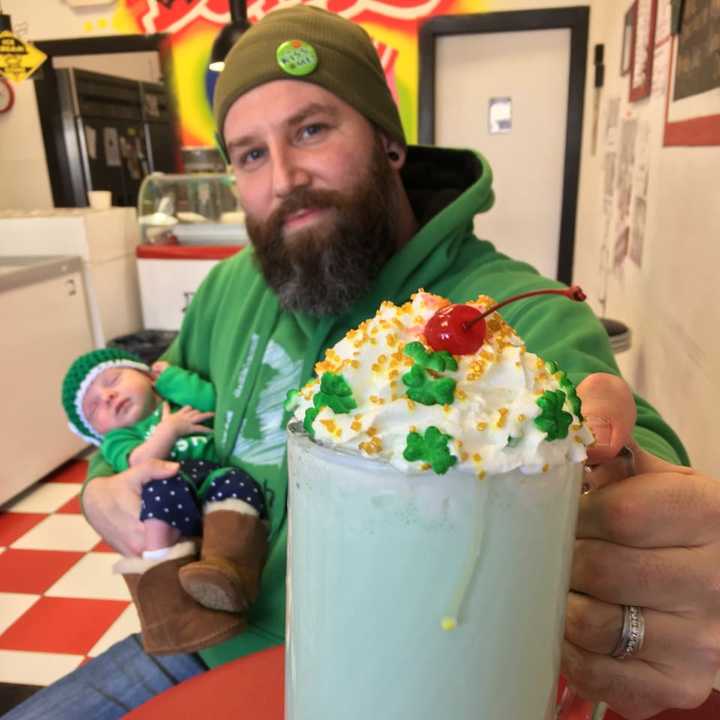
column 632, row 634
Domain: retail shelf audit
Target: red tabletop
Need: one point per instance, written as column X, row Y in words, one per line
column 251, row 688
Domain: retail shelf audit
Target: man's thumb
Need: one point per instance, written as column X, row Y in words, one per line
column 609, row 409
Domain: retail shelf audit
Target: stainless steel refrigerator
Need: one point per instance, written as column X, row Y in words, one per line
column 108, row 134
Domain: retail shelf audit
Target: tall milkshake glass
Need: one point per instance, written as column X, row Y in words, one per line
column 415, row 596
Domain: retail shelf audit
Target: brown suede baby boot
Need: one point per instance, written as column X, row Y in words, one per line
column 171, row 621
column 234, row 549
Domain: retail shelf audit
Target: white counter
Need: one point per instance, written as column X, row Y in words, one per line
column 105, row 240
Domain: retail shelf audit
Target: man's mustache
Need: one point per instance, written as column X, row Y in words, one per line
column 301, row 199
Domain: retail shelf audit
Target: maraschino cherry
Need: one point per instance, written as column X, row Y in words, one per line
column 460, row 329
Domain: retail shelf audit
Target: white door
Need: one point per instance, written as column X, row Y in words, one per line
column 531, row 68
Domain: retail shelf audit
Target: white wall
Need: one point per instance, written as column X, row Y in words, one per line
column 24, row 179
column 669, row 300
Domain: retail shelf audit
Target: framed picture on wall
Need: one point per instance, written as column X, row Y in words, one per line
column 693, row 105
column 628, row 39
column 643, row 49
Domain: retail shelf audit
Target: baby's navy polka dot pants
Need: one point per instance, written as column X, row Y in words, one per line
column 175, row 500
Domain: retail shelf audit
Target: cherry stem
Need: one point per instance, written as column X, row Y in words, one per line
column 572, row 293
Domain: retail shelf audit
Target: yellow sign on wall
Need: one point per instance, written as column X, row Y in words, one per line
column 18, row 59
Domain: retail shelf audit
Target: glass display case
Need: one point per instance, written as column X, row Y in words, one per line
column 195, row 209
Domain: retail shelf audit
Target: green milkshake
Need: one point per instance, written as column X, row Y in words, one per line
column 432, row 505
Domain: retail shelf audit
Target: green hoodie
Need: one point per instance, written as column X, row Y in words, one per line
column 236, row 335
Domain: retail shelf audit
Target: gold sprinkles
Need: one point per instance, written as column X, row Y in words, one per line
column 390, row 330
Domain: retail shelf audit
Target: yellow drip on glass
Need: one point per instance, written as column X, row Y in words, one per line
column 454, row 617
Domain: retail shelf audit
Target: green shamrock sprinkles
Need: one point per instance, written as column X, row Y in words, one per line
column 553, row 420
column 421, row 381
column 572, row 396
column 291, row 400
column 428, row 359
column 309, row 419
column 432, row 447
column 567, row 385
column 427, row 390
column 335, row 393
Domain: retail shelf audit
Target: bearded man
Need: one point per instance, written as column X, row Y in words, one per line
column 342, row 215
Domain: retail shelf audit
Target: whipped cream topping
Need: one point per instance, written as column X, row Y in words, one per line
column 487, row 417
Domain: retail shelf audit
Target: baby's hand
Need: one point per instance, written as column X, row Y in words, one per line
column 185, row 421
column 158, row 367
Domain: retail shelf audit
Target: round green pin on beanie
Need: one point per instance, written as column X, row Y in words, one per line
column 79, row 378
column 309, row 44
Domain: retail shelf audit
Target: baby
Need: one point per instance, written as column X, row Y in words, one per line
column 135, row 413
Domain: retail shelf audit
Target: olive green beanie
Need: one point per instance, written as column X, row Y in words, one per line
column 334, row 53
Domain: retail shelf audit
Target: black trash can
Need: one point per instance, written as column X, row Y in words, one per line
column 619, row 334
column 148, row 344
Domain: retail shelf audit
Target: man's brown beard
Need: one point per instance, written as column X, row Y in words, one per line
column 325, row 269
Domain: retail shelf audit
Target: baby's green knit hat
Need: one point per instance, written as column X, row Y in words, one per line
column 78, row 379
column 310, row 45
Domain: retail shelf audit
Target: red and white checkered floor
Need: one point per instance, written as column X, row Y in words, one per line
column 60, row 602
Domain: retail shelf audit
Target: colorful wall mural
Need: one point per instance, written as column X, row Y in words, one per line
column 193, row 25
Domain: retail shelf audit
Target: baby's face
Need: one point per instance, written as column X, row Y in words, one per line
column 118, row 397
